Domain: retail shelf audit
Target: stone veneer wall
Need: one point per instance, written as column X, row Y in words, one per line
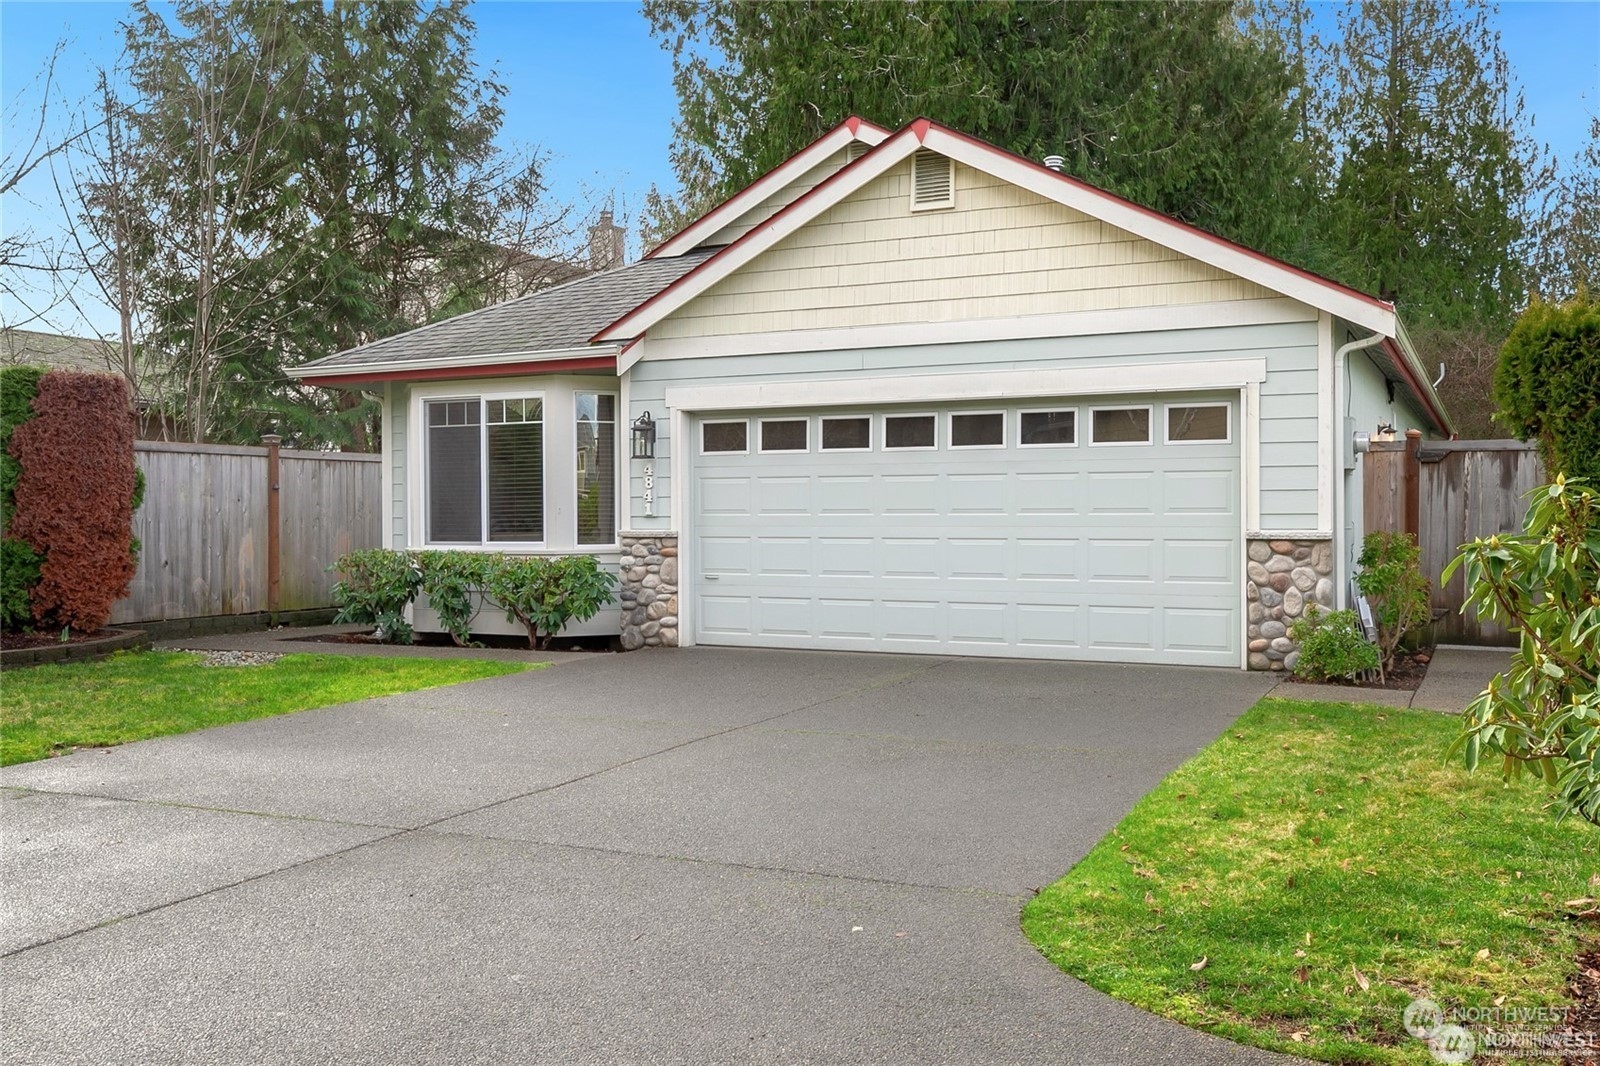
column 1281, row 578
column 648, row 590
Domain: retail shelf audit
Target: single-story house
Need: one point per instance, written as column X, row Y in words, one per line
column 911, row 392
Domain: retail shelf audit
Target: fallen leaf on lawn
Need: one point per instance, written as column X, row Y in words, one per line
column 1483, row 953
column 1299, row 1037
column 1308, row 939
column 1299, row 953
column 1199, row 965
column 1361, row 978
column 1498, row 1000
column 1139, row 871
column 1582, row 901
column 1370, row 873
column 1302, row 975
column 1123, row 848
column 1594, row 879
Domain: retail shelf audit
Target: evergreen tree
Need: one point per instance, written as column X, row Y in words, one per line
column 1168, row 104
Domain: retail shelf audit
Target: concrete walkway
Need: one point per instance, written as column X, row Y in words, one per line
column 1455, row 677
column 689, row 856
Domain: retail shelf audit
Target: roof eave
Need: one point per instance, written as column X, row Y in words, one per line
column 316, row 373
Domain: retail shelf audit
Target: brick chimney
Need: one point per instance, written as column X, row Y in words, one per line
column 607, row 243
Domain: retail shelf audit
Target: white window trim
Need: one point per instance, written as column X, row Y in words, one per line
column 823, row 421
column 619, row 500
column 1150, row 437
column 482, row 398
column 1166, row 425
column 761, row 447
column 724, row 422
column 1077, row 426
column 884, row 427
column 1005, row 433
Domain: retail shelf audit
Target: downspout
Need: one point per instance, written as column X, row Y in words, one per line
column 1342, row 560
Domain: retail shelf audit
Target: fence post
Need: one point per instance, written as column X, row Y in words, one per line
column 274, row 525
column 1413, row 482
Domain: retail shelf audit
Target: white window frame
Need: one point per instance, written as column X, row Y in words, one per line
column 950, row 428
column 425, row 455
column 704, row 422
column 1166, row 424
column 1077, row 426
column 884, row 427
column 822, row 424
column 1150, row 423
column 760, row 442
column 618, row 495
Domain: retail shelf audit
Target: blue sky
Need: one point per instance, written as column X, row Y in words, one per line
column 591, row 87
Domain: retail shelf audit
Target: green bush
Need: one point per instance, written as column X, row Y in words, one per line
column 18, row 386
column 1543, row 713
column 1547, row 384
column 545, row 594
column 19, row 573
column 1332, row 645
column 451, row 581
column 374, row 588
column 1391, row 579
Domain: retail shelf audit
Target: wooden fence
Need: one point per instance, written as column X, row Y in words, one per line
column 207, row 544
column 1449, row 492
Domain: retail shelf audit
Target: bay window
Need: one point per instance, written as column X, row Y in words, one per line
column 506, row 469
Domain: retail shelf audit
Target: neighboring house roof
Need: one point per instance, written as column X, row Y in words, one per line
column 27, row 347
column 553, row 324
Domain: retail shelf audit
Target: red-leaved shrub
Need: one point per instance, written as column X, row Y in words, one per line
column 74, row 496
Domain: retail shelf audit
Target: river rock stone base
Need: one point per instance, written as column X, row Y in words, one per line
column 648, row 590
column 1282, row 577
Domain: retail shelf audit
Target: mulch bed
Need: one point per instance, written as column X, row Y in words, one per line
column 1582, row 1031
column 1404, row 676
column 442, row 640
column 9, row 641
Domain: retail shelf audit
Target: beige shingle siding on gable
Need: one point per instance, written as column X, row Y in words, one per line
column 1001, row 252
column 777, row 202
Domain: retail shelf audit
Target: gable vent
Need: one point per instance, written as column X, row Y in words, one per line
column 856, row 150
column 933, row 181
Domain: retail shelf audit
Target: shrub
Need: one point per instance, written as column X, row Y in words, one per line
column 452, row 581
column 1391, row 579
column 545, row 594
column 1331, row 645
column 19, row 573
column 374, row 588
column 19, row 564
column 1543, row 585
column 1548, row 384
column 74, row 495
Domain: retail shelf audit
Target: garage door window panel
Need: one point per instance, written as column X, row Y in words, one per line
column 853, row 434
column 1207, row 423
column 1120, row 426
column 910, row 432
column 1049, row 429
column 978, row 429
column 725, row 438
column 785, row 435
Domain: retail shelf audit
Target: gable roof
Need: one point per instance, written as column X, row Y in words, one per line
column 550, row 324
column 1323, row 294
column 773, row 181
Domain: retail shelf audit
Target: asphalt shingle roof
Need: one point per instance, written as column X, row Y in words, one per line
column 554, row 319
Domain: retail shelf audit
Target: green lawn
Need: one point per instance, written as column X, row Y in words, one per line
column 129, row 697
column 1328, row 866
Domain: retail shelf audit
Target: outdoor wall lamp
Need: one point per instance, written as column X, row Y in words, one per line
column 1385, row 432
column 644, row 437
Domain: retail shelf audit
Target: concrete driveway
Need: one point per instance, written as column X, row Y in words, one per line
column 693, row 856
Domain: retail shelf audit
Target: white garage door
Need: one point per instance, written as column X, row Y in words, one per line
column 1054, row 529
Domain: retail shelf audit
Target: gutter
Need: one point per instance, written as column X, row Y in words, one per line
column 389, row 368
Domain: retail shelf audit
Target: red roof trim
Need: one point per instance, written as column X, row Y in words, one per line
column 1424, row 396
column 921, row 127
column 490, row 370
column 853, row 124
column 815, row 190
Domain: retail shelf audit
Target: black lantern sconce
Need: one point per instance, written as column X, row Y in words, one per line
column 644, row 437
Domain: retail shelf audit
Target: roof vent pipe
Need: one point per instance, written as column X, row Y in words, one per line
column 1055, row 162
